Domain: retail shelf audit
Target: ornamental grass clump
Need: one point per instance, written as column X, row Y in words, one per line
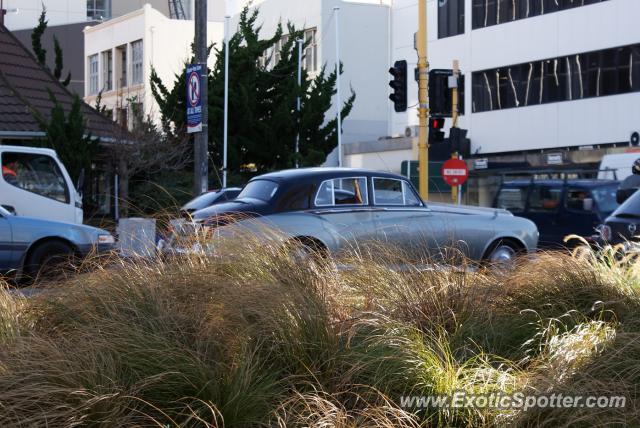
column 253, row 334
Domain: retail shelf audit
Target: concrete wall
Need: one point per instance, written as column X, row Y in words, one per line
column 24, row 14
column 71, row 40
column 571, row 123
column 364, row 46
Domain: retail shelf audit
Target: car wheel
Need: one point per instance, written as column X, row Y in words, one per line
column 503, row 255
column 304, row 250
column 50, row 260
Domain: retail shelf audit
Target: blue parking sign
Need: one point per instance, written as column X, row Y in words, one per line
column 194, row 97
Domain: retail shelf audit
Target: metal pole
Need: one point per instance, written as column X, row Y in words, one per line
column 226, row 100
column 455, row 190
column 300, row 42
column 201, row 139
column 116, row 205
column 338, row 93
column 423, row 100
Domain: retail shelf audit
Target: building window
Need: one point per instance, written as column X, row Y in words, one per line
column 450, row 18
column 492, row 12
column 311, row 51
column 99, row 9
column 277, row 49
column 121, row 56
column 586, row 75
column 94, row 77
column 107, row 71
column 137, row 67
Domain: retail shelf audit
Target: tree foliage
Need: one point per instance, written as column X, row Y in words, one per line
column 263, row 120
column 67, row 135
column 41, row 53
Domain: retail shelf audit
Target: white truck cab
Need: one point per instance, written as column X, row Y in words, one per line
column 34, row 183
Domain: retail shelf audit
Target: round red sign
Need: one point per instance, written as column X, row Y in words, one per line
column 455, row 172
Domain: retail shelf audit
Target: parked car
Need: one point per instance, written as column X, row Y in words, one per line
column 208, row 199
column 559, row 207
column 27, row 245
column 331, row 209
column 623, row 225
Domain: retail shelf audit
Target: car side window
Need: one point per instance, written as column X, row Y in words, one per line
column 512, row 199
column 575, row 199
column 391, row 191
column 35, row 173
column 545, row 198
column 342, row 191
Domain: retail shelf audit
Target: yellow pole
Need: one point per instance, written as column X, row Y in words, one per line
column 423, row 100
column 454, row 119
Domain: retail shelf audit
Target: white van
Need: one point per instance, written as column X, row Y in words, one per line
column 621, row 163
column 35, row 183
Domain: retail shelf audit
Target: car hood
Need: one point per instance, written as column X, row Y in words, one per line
column 467, row 209
column 244, row 206
column 30, row 222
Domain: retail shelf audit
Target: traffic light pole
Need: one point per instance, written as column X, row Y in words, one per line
column 423, row 100
column 200, row 140
column 455, row 190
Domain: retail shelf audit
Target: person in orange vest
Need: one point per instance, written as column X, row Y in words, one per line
column 9, row 173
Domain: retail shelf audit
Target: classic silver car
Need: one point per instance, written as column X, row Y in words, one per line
column 333, row 209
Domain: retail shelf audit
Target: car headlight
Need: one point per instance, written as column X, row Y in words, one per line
column 106, row 239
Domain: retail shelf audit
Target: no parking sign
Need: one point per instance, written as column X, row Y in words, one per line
column 194, row 97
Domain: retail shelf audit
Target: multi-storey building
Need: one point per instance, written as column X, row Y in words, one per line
column 120, row 53
column 549, row 83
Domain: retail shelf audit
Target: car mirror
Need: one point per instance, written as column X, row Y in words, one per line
column 587, row 204
column 11, row 209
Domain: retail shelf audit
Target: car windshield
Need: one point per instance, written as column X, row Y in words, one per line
column 605, row 197
column 630, row 207
column 259, row 189
column 202, row 201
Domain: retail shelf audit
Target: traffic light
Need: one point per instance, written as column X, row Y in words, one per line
column 459, row 142
column 440, row 102
column 435, row 133
column 399, row 85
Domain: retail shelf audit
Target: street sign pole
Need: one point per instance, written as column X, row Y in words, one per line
column 455, row 191
column 336, row 11
column 226, row 100
column 201, row 138
column 300, row 42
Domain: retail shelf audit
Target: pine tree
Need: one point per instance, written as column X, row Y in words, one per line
column 41, row 53
column 263, row 121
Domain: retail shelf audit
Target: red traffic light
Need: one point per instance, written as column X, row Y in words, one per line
column 436, row 123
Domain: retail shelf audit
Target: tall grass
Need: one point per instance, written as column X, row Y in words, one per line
column 261, row 338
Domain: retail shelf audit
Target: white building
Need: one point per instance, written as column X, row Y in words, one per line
column 23, row 14
column 549, row 83
column 364, row 52
column 120, row 53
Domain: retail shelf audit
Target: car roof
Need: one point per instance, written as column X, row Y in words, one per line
column 322, row 173
column 556, row 182
column 21, row 149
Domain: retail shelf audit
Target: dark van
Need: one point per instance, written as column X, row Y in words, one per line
column 559, row 207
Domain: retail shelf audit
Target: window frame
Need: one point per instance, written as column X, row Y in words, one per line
column 137, row 62
column 94, row 74
column 364, row 193
column 107, row 70
column 404, row 185
column 443, row 17
column 56, row 169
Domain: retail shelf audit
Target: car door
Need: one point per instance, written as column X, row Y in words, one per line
column 543, row 208
column 574, row 219
column 6, row 244
column 403, row 222
column 343, row 205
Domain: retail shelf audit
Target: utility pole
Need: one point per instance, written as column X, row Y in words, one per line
column 300, row 42
column 455, row 190
column 336, row 11
column 226, row 101
column 201, row 139
column 423, row 100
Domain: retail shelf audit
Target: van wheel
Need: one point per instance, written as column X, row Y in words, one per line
column 50, row 260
